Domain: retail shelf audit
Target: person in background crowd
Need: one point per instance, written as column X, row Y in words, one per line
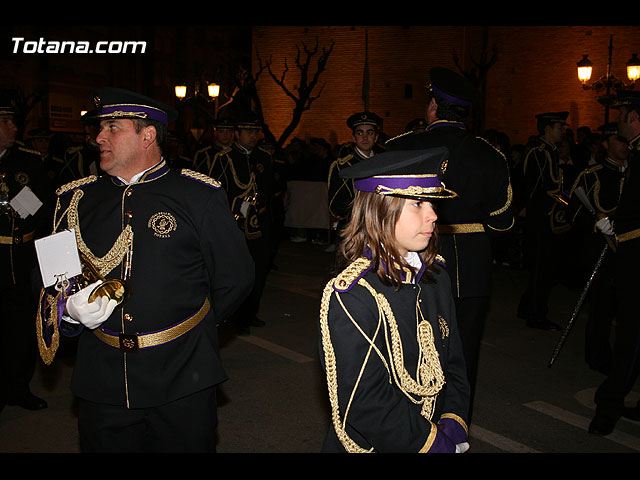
column 624, row 224
column 479, row 173
column 545, row 221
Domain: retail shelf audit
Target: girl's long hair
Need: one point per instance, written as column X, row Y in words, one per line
column 372, row 224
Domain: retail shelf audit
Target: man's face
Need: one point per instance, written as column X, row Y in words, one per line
column 223, row 136
column 617, row 148
column 41, row 145
column 365, row 137
column 120, row 147
column 8, row 132
column 555, row 132
column 247, row 138
column 625, row 122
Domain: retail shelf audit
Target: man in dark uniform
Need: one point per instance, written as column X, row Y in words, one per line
column 479, row 174
column 40, row 141
column 365, row 128
column 601, row 185
column 83, row 160
column 246, row 173
column 625, row 225
column 20, row 171
column 223, row 135
column 146, row 374
column 546, row 223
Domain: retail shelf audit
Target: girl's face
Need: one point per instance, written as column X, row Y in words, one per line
column 415, row 226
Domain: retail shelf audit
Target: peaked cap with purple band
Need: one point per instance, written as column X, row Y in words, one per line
column 115, row 103
column 403, row 173
column 452, row 87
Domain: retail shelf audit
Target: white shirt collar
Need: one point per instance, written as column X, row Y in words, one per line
column 137, row 176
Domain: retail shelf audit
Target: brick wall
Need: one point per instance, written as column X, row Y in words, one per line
column 535, row 72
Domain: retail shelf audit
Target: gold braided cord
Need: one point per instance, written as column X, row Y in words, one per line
column 47, row 353
column 332, row 375
column 114, row 256
column 429, row 375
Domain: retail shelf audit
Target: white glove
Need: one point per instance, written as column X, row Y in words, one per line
column 462, row 447
column 605, row 226
column 93, row 314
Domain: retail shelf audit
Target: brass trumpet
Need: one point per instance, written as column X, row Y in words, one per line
column 113, row 288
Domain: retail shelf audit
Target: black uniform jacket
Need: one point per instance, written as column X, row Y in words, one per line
column 602, row 185
column 370, row 350
column 247, row 176
column 186, row 249
column 546, row 187
column 19, row 168
column 627, row 216
column 341, row 190
column 479, row 174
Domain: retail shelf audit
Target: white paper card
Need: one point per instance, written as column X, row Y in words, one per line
column 58, row 255
column 25, row 202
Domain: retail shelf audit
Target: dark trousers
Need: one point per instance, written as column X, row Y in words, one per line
column 625, row 364
column 18, row 344
column 542, row 258
column 602, row 313
column 184, row 425
column 470, row 314
column 260, row 250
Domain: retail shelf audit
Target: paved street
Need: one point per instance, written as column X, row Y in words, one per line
column 275, row 400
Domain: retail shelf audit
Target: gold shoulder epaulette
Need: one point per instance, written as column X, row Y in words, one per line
column 593, row 168
column 200, row 177
column 72, row 150
column 265, row 150
column 29, row 150
column 203, row 149
column 492, row 146
column 81, row 182
column 440, row 259
column 398, row 136
column 345, row 159
column 350, row 275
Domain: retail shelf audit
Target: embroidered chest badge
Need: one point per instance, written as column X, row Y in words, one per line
column 162, row 224
column 22, row 178
column 444, row 328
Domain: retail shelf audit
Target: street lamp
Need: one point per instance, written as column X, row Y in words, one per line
column 203, row 95
column 608, row 82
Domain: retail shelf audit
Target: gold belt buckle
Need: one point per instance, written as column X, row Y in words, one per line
column 128, row 342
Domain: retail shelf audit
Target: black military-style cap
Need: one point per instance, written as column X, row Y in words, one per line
column 364, row 118
column 224, row 123
column 7, row 109
column 609, row 129
column 114, row 102
column 553, row 117
column 417, row 124
column 40, row 132
column 452, row 87
column 403, row 173
column 626, row 97
column 248, row 121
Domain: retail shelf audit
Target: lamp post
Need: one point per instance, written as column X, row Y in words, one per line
column 608, row 82
column 203, row 94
